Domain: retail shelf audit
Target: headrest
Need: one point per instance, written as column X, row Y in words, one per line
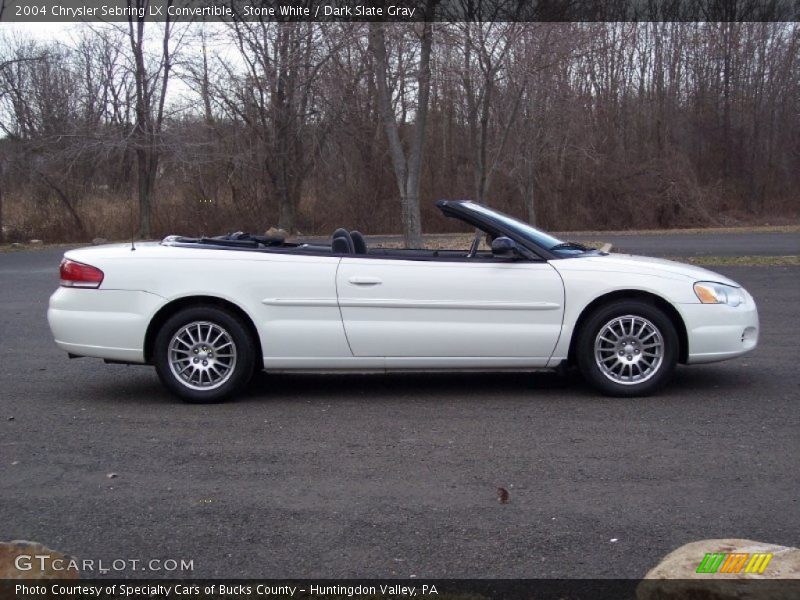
column 359, row 243
column 340, row 246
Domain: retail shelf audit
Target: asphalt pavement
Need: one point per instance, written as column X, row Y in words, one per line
column 395, row 475
column 706, row 244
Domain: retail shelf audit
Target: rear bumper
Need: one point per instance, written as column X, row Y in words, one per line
column 107, row 324
column 718, row 332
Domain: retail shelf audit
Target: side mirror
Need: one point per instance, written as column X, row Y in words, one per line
column 504, row 247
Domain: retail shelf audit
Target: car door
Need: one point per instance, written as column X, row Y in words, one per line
column 507, row 311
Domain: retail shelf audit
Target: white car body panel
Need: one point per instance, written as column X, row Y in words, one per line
column 102, row 323
column 713, row 330
column 328, row 313
column 290, row 299
column 428, row 309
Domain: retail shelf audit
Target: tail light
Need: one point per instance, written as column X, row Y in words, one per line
column 75, row 274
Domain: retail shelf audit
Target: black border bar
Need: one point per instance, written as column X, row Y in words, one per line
column 376, row 589
column 32, row 11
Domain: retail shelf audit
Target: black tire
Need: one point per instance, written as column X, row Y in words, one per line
column 236, row 372
column 610, row 383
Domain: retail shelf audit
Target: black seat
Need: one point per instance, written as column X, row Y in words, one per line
column 342, row 242
column 359, row 243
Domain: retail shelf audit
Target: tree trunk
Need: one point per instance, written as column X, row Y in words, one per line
column 407, row 169
column 529, row 197
column 286, row 208
column 2, row 228
column 147, row 130
column 144, row 192
column 412, row 221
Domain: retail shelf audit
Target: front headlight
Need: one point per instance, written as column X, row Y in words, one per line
column 718, row 293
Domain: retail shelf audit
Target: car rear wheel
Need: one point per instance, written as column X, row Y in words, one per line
column 204, row 354
column 627, row 348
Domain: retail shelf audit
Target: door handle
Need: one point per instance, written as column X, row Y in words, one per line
column 356, row 280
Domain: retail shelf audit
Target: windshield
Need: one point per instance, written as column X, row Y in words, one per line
column 537, row 236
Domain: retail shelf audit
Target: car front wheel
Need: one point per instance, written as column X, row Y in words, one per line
column 627, row 348
column 204, row 354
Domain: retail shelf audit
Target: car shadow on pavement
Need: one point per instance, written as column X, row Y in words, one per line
column 417, row 386
column 140, row 386
column 703, row 381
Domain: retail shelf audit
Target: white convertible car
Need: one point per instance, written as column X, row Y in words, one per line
column 208, row 312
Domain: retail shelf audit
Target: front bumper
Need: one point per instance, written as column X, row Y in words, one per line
column 108, row 324
column 718, row 332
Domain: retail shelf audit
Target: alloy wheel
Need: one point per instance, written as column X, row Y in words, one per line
column 629, row 349
column 202, row 355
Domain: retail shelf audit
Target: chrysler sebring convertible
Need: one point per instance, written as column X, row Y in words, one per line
column 208, row 312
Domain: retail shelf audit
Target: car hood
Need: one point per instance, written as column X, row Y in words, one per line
column 629, row 263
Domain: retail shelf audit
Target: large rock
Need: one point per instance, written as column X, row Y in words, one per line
column 676, row 576
column 26, row 556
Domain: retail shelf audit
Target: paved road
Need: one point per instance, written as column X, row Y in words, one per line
column 685, row 244
column 707, row 244
column 394, row 475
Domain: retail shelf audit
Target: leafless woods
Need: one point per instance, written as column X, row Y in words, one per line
column 189, row 128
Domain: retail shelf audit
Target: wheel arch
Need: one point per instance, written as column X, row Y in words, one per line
column 632, row 294
column 172, row 307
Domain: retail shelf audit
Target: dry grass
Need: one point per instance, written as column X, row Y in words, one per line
column 453, row 241
column 113, row 216
column 598, row 234
column 16, row 247
column 463, row 241
column 739, row 261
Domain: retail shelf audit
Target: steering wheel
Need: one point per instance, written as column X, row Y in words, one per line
column 473, row 249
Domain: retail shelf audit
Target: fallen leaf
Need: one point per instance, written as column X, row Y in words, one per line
column 502, row 495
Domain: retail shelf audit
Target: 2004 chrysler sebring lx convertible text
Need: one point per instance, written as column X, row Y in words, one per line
column 208, row 312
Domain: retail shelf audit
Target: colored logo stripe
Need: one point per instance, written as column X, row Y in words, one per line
column 711, row 562
column 758, row 563
column 734, row 563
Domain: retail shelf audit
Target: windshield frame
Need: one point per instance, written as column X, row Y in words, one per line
column 495, row 222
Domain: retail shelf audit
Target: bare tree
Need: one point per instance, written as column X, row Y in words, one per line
column 276, row 100
column 407, row 165
column 485, row 48
column 152, row 82
column 11, row 91
column 316, row 125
